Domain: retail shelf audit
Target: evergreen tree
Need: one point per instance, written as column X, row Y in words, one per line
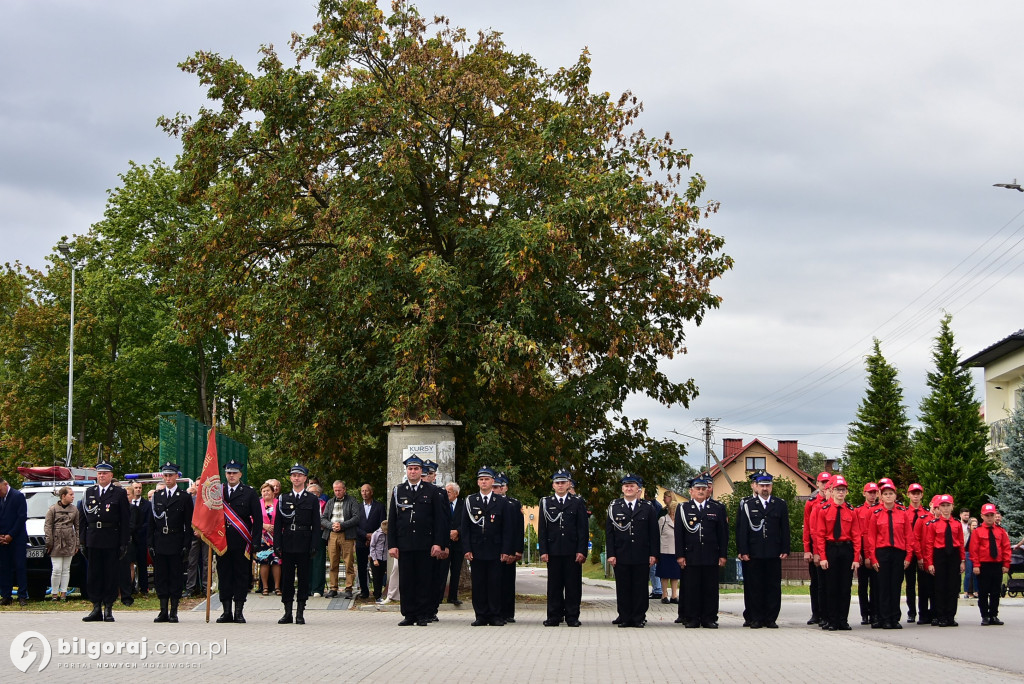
column 1008, row 480
column 878, row 442
column 949, row 448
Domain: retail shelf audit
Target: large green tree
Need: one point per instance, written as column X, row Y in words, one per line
column 949, row 448
column 878, row 442
column 414, row 221
column 1008, row 480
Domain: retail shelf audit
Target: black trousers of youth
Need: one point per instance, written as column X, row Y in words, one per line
column 234, row 573
column 822, row 584
column 508, row 591
column 168, row 574
column 910, row 577
column 486, row 589
column 947, row 583
column 362, row 568
column 890, row 578
column 102, row 575
column 378, row 572
column 565, row 588
column 415, row 570
column 124, row 575
column 867, row 592
column 925, row 595
column 812, row 570
column 631, row 597
column 989, row 585
column 290, row 563
column 839, row 578
column 142, row 568
column 701, row 592
column 762, row 589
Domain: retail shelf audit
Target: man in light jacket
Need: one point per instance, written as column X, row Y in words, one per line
column 339, row 520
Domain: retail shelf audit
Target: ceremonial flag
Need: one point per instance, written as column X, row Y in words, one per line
column 208, row 514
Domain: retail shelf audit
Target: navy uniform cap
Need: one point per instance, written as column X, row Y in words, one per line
column 429, row 467
column 169, row 467
column 104, row 466
column 233, row 465
column 485, row 471
column 762, row 477
column 413, row 461
column 699, row 482
column 501, row 480
column 561, row 476
column 299, row 468
column 635, row 479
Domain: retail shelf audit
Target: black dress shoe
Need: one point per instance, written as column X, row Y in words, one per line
column 709, row 625
column 498, row 623
column 623, row 625
column 456, row 602
column 226, row 617
column 952, row 623
column 833, row 628
column 552, row 623
column 479, row 623
column 422, row 623
column 814, row 620
column 692, row 624
column 95, row 616
column 985, row 622
column 640, row 625
column 286, row 619
column 935, row 622
column 754, row 625
column 911, row 619
column 6, row 601
column 348, row 593
column 845, row 627
column 22, row 601
column 406, row 622
column 746, row 623
column 675, row 600
column 616, row 621
column 574, row 623
column 364, row 594
column 664, row 599
column 865, row 621
column 876, row 625
column 299, row 619
column 771, row 625
column 655, row 595
column 511, row 621
column 108, row 615
column 995, row 621
column 679, row 621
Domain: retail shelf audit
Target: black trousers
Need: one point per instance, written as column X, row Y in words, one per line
column 508, row 590
column 989, row 585
column 925, row 594
column 631, row 597
column 415, row 568
column 168, row 574
column 13, row 568
column 762, row 589
column 947, row 583
column 142, row 568
column 486, row 589
column 102, row 575
column 455, row 558
column 909, row 580
column 839, row 580
column 292, row 563
column 234, row 571
column 822, row 585
column 812, row 570
column 362, row 564
column 124, row 575
column 890, row 579
column 379, row 572
column 565, row 588
column 700, row 584
column 867, row 592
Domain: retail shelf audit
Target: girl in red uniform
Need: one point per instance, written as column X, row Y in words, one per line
column 990, row 549
column 891, row 543
column 943, row 555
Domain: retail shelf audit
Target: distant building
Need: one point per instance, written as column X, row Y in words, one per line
column 739, row 461
column 1003, row 363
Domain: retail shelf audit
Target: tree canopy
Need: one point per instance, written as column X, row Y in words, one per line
column 412, row 221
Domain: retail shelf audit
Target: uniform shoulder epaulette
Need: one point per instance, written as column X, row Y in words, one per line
column 848, row 505
column 933, row 520
column 900, row 507
column 826, row 506
column 878, row 510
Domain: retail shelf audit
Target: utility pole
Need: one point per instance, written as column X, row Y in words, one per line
column 708, row 434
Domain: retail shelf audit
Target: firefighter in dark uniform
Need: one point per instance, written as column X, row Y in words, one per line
column 563, row 539
column 487, row 535
column 243, row 526
column 169, row 541
column 762, row 541
column 104, row 535
column 632, row 541
column 440, row 563
column 508, row 569
column 418, row 532
column 702, row 542
column 296, row 537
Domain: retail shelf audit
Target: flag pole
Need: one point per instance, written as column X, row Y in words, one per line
column 209, row 549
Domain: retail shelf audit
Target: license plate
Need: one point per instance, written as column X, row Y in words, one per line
column 36, row 553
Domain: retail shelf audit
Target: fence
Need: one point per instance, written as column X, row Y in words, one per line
column 183, row 441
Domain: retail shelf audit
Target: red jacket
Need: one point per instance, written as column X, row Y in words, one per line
column 864, row 514
column 918, row 522
column 877, row 534
column 809, row 506
column 935, row 538
column 979, row 545
column 825, row 525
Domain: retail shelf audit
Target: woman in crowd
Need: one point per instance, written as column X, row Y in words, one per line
column 668, row 567
column 266, row 558
column 970, row 582
column 61, row 530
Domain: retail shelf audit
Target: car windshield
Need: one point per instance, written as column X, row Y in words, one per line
column 38, row 502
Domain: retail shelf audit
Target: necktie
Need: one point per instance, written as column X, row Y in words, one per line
column 993, row 550
column 837, row 531
column 486, row 499
column 631, row 506
column 949, row 535
column 892, row 532
column 231, row 492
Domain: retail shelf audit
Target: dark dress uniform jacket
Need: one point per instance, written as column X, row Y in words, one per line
column 172, row 534
column 567, row 534
column 417, row 520
column 640, row 540
column 141, row 531
column 297, row 523
column 107, row 520
column 246, row 503
column 772, row 539
column 492, row 533
column 517, row 524
column 708, row 542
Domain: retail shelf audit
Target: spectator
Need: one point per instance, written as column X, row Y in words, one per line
column 970, row 582
column 371, row 513
column 318, row 565
column 61, row 530
column 13, row 543
column 141, row 538
column 270, row 564
column 668, row 568
column 378, row 554
column 195, row 582
column 338, row 522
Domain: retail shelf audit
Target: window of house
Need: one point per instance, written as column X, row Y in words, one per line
column 756, row 462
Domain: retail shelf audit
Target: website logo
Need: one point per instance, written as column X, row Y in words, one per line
column 23, row 655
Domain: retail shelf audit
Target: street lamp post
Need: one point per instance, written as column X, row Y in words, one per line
column 65, row 249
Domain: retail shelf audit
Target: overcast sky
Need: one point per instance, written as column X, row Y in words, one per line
column 853, row 147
